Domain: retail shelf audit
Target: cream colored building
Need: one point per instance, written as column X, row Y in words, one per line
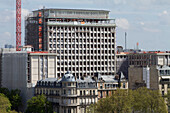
column 68, row 94
column 107, row 84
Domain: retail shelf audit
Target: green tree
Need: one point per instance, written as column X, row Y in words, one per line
column 148, row 101
column 121, row 101
column 5, row 91
column 39, row 104
column 92, row 108
column 5, row 104
column 103, row 106
column 14, row 97
column 141, row 100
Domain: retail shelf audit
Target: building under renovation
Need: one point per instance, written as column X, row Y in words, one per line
column 83, row 40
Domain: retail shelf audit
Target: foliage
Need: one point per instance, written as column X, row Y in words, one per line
column 122, row 101
column 5, row 91
column 5, row 104
column 148, row 101
column 14, row 97
column 141, row 100
column 39, row 104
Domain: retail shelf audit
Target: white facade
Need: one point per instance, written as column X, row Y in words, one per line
column 83, row 50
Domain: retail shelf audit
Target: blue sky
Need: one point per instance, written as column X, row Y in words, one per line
column 145, row 21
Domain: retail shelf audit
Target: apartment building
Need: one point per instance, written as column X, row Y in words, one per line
column 83, row 40
column 107, row 84
column 69, row 95
column 150, row 69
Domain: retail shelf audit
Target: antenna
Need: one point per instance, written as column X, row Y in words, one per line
column 125, row 40
column 137, row 45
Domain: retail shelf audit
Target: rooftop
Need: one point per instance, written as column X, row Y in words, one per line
column 58, row 9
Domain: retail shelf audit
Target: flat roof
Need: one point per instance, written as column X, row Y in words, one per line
column 72, row 9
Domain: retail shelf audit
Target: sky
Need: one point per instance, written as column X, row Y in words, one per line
column 144, row 21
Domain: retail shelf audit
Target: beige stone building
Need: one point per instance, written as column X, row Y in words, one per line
column 107, row 84
column 68, row 94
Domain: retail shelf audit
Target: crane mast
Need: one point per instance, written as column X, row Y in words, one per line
column 18, row 25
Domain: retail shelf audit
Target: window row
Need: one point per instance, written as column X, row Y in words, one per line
column 82, row 40
column 82, row 28
column 84, row 68
column 82, row 34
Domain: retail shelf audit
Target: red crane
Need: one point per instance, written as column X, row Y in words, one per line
column 18, row 25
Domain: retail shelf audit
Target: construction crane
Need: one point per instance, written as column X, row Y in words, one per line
column 18, row 25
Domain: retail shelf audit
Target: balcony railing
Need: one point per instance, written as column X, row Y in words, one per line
column 112, row 23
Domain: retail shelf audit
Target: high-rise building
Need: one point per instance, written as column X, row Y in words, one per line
column 83, row 40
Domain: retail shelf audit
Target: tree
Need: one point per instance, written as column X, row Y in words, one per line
column 141, row 100
column 122, row 101
column 168, row 98
column 5, row 91
column 39, row 104
column 103, row 106
column 14, row 97
column 5, row 104
column 148, row 101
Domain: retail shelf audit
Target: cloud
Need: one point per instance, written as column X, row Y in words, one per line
column 142, row 23
column 24, row 12
column 119, row 2
column 122, row 23
column 151, row 29
column 6, row 38
column 164, row 18
column 7, row 34
column 6, row 15
column 163, row 13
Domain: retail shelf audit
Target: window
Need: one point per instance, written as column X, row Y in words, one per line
column 123, row 85
column 80, row 92
column 162, row 93
column 69, row 84
column 64, row 91
column 168, row 85
column 162, row 86
column 93, row 92
column 90, row 92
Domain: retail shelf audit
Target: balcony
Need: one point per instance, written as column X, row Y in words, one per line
column 68, row 104
column 69, row 95
column 108, row 23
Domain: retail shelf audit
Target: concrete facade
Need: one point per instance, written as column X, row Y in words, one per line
column 122, row 63
column 14, row 73
column 158, row 64
column 136, row 78
column 83, row 40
